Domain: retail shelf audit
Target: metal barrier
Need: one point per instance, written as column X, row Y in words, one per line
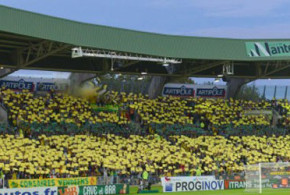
column 277, row 92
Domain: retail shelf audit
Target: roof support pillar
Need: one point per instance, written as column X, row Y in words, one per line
column 234, row 85
column 5, row 71
column 156, row 86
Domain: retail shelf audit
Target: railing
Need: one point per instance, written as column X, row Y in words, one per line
column 277, row 92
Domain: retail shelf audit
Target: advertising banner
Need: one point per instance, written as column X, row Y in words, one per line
column 211, row 91
column 191, row 90
column 17, row 85
column 59, row 182
column 183, row 184
column 94, row 190
column 235, row 184
column 180, row 90
column 268, row 49
column 43, row 86
column 30, row 191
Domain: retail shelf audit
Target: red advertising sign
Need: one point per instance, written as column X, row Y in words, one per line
column 235, row 184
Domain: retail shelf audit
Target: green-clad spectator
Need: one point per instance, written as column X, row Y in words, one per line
column 198, row 172
column 1, row 174
column 145, row 175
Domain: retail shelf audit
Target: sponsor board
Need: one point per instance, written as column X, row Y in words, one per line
column 210, row 91
column 30, row 191
column 191, row 90
column 94, row 190
column 255, row 183
column 180, row 90
column 42, row 86
column 17, row 85
column 28, row 183
column 183, row 184
column 34, row 84
column 268, row 49
column 235, row 184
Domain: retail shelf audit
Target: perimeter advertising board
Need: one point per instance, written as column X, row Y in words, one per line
column 28, row 183
column 94, row 190
column 184, row 184
column 30, row 191
column 191, row 90
column 235, row 184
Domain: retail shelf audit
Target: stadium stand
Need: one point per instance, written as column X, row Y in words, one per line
column 57, row 135
column 85, row 155
column 283, row 107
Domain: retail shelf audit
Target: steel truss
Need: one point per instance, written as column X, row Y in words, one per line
column 36, row 52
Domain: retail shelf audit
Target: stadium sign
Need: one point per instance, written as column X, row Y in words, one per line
column 28, row 183
column 211, row 92
column 191, row 90
column 51, row 86
column 178, row 90
column 94, row 190
column 268, row 49
column 17, row 85
column 30, row 191
column 183, row 184
column 235, row 184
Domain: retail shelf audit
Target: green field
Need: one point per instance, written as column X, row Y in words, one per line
column 133, row 190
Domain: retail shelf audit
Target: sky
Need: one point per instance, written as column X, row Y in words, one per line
column 210, row 18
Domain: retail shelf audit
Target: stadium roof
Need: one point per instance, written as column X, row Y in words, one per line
column 34, row 41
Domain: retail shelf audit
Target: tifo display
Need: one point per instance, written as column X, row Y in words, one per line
column 193, row 144
column 179, row 155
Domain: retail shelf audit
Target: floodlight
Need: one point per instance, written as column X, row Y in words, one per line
column 77, row 52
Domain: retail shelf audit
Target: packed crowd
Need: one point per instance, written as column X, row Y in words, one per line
column 58, row 135
column 86, row 155
column 59, row 108
column 207, row 114
column 217, row 112
column 283, row 107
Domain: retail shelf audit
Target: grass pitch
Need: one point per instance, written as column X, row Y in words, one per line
column 133, row 190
